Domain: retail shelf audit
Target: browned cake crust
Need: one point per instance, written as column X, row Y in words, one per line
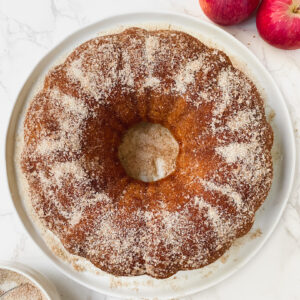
column 124, row 226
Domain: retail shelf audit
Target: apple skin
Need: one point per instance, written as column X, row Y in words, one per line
column 278, row 23
column 228, row 12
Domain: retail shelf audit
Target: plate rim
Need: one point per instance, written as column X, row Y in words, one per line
column 51, row 51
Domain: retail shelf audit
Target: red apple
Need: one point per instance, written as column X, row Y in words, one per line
column 278, row 22
column 228, row 12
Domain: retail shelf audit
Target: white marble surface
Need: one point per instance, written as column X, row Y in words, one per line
column 29, row 28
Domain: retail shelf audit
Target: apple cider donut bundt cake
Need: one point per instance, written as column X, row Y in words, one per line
column 147, row 152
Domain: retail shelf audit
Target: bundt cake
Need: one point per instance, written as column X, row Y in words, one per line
column 147, row 152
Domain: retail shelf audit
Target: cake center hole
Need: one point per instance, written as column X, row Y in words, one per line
column 148, row 152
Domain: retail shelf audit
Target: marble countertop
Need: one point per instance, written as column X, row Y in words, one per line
column 29, row 28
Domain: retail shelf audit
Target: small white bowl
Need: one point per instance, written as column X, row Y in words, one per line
column 40, row 281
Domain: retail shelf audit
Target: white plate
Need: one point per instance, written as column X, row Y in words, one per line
column 187, row 282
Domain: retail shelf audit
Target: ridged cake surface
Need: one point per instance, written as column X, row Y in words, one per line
column 78, row 187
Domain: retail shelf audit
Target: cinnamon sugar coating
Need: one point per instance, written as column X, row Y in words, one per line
column 80, row 191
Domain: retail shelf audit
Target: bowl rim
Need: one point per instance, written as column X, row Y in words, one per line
column 37, row 278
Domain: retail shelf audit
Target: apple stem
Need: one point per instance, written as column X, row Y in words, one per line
column 296, row 10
